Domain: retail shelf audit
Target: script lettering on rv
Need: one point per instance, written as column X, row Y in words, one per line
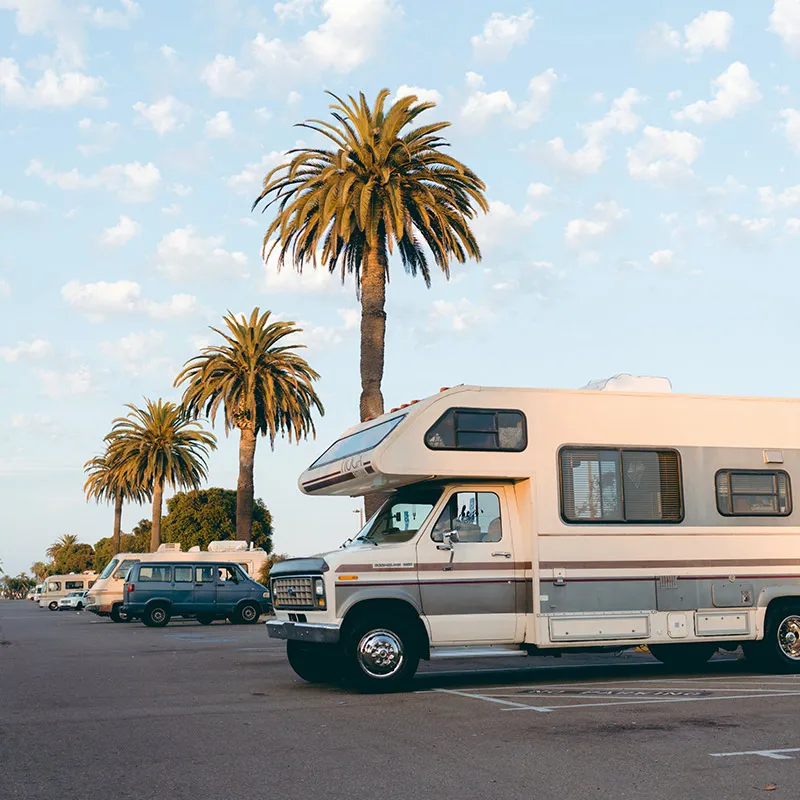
column 354, row 464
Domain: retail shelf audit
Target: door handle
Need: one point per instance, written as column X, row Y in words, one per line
column 501, row 555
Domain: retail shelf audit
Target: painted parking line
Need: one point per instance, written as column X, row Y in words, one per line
column 779, row 755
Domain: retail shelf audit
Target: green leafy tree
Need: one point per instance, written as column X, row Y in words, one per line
column 104, row 549
column 16, row 587
column 159, row 445
column 108, row 482
column 67, row 540
column 382, row 186
column 205, row 515
column 41, row 570
column 75, row 557
column 266, row 567
column 264, row 387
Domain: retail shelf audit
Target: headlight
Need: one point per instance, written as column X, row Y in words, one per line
column 319, row 592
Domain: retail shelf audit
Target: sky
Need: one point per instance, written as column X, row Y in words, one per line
column 642, row 163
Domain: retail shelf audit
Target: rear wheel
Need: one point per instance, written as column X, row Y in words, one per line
column 779, row 650
column 315, row 663
column 156, row 616
column 117, row 615
column 684, row 656
column 248, row 614
column 205, row 619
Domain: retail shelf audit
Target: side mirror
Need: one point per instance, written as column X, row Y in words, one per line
column 449, row 538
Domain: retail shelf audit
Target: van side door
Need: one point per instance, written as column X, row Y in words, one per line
column 230, row 588
column 204, row 597
column 182, row 587
column 467, row 568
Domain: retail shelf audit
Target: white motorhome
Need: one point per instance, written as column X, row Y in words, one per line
column 105, row 599
column 57, row 586
column 526, row 521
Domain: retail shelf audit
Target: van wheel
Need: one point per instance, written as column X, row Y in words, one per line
column 779, row 650
column 157, row 616
column 248, row 614
column 684, row 656
column 205, row 619
column 314, row 663
column 116, row 615
column 380, row 656
column 53, row 606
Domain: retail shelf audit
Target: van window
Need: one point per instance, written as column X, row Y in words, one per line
column 752, row 493
column 204, row 575
column 183, row 574
column 616, row 485
column 479, row 429
column 73, row 585
column 154, row 572
column 474, row 516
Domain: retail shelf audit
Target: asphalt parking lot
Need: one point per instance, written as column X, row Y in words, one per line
column 93, row 709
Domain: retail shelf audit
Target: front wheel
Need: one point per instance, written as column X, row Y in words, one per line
column 380, row 656
column 156, row 616
column 79, row 607
column 314, row 663
column 53, row 606
column 248, row 614
column 684, row 656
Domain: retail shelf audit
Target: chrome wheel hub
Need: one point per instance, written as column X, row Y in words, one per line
column 789, row 637
column 380, row 654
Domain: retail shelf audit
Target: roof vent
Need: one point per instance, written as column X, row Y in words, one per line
column 624, row 382
column 169, row 547
column 228, row 546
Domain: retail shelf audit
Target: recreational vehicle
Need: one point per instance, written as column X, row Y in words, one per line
column 57, row 586
column 528, row 521
column 106, row 596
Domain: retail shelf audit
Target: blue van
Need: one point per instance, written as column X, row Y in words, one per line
column 156, row 591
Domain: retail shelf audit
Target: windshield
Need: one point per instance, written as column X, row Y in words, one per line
column 109, row 569
column 126, row 567
column 357, row 442
column 401, row 517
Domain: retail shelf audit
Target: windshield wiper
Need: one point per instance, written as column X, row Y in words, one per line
column 366, row 539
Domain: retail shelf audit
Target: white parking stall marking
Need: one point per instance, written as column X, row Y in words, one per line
column 776, row 754
column 488, row 699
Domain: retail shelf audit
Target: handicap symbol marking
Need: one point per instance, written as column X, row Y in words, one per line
column 778, row 755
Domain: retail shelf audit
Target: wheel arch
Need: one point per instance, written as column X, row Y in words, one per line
column 388, row 608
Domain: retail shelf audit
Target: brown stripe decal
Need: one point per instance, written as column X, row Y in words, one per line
column 682, row 564
column 457, row 567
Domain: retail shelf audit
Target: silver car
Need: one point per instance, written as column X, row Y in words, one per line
column 73, row 601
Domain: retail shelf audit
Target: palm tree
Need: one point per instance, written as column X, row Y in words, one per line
column 63, row 542
column 264, row 387
column 39, row 570
column 107, row 482
column 159, row 445
column 377, row 189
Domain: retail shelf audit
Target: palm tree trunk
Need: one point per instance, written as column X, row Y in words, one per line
column 373, row 340
column 244, row 488
column 155, row 531
column 117, row 524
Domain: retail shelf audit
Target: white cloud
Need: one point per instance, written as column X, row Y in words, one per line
column 133, row 182
column 351, row 318
column 168, row 52
column 791, row 126
column 62, row 384
column 36, row 350
column 662, row 258
column 288, row 279
column 481, row 106
column 5, row 289
column 753, row 226
column 137, row 353
column 293, row 9
column 456, row 316
column 52, row 90
column 163, row 116
column 226, row 79
column 250, row 179
column 785, row 21
column 122, row 232
column 734, row 91
column 423, row 95
column 502, row 225
column 792, row 226
column 501, row 34
column 710, row 30
column 579, row 232
column 786, row 199
column 103, row 299
column 219, row 126
column 663, row 156
column 538, row 190
column 293, row 98
column 172, row 210
column 121, row 19
column 675, row 94
column 180, row 190
column 620, row 118
column 475, row 81
column 182, row 254
column 102, row 134
column 9, row 205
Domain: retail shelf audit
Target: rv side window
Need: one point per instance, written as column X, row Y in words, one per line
column 153, row 572
column 54, row 586
column 753, row 493
column 73, row 585
column 479, row 429
column 606, row 485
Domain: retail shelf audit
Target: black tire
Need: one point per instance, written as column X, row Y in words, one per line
column 53, row 606
column 79, row 606
column 315, row 663
column 248, row 614
column 205, row 619
column 381, row 655
column 156, row 616
column 116, row 615
column 779, row 650
column 683, row 656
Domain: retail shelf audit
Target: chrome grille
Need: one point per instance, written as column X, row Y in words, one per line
column 293, row 592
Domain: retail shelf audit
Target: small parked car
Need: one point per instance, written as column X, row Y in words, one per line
column 156, row 591
column 73, row 601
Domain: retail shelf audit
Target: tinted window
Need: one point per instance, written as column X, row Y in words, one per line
column 357, row 442
column 53, row 586
column 73, row 584
column 154, row 572
column 204, row 575
column 479, row 429
column 125, row 568
column 606, row 485
column 753, row 493
column 474, row 516
column 183, row 574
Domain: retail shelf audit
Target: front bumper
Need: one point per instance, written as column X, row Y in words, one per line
column 303, row 632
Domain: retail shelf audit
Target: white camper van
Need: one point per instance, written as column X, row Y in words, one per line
column 526, row 521
column 57, row 586
column 105, row 599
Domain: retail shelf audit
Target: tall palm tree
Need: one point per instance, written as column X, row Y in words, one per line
column 63, row 542
column 107, row 482
column 381, row 186
column 39, row 570
column 160, row 445
column 264, row 386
